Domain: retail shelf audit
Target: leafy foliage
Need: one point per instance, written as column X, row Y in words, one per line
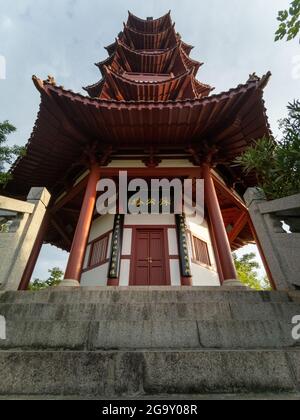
column 289, row 22
column 56, row 277
column 7, row 153
column 277, row 164
column 247, row 272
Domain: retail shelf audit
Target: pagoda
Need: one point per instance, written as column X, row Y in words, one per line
column 149, row 116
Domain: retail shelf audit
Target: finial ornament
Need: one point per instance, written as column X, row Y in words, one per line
column 51, row 80
column 253, row 77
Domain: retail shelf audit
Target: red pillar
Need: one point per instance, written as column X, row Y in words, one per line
column 262, row 254
column 217, row 224
column 30, row 266
column 77, row 254
column 217, row 258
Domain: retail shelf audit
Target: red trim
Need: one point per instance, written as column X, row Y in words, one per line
column 100, row 237
column 166, row 248
column 218, row 227
column 95, row 266
column 238, row 227
column 113, row 282
column 78, row 250
column 150, row 226
column 194, row 257
column 92, row 244
column 215, row 249
column 174, row 257
column 186, row 281
column 152, row 172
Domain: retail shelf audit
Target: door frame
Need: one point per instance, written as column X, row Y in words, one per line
column 162, row 228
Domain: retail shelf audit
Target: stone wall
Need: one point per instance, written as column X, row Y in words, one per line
column 20, row 222
column 277, row 224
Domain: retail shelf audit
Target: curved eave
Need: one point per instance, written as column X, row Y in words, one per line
column 172, row 60
column 107, row 62
column 67, row 121
column 202, row 89
column 94, row 90
column 111, row 48
column 187, row 48
column 144, row 41
column 188, row 62
column 122, row 88
column 150, row 26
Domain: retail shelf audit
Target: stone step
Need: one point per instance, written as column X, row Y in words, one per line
column 280, row 396
column 132, row 374
column 107, row 335
column 162, row 312
column 146, row 295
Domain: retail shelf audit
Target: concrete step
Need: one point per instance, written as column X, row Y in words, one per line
column 134, row 295
column 132, row 374
column 120, row 335
column 162, row 312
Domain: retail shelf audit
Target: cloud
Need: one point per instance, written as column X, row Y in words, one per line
column 6, row 23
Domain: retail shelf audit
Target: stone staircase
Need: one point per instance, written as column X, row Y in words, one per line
column 149, row 342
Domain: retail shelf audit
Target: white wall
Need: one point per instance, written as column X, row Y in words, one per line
column 150, row 219
column 175, row 272
column 202, row 275
column 101, row 226
column 127, row 242
column 124, row 273
column 95, row 277
column 98, row 276
column 173, row 242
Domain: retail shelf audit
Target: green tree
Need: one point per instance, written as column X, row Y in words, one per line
column 56, row 277
column 289, row 26
column 277, row 164
column 7, row 153
column 247, row 272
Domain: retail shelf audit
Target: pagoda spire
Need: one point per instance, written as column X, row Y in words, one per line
column 149, row 62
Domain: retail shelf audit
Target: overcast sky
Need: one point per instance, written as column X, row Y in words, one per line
column 63, row 38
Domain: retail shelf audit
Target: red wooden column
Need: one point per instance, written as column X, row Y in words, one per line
column 218, row 227
column 31, row 263
column 77, row 254
column 262, row 254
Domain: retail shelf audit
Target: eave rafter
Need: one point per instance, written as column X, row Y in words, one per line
column 144, row 41
column 149, row 25
column 121, row 88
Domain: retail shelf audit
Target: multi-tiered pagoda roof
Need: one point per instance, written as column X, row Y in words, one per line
column 148, row 100
column 149, row 62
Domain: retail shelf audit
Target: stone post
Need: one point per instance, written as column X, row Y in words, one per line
column 281, row 249
column 18, row 239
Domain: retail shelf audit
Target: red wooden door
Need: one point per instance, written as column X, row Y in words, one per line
column 150, row 261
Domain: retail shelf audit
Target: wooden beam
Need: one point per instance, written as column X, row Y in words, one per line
column 238, row 227
column 73, row 211
column 31, row 263
column 262, row 254
column 72, row 193
column 58, row 227
column 229, row 193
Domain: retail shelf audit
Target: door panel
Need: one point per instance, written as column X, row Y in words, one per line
column 149, row 262
column 142, row 259
column 157, row 262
